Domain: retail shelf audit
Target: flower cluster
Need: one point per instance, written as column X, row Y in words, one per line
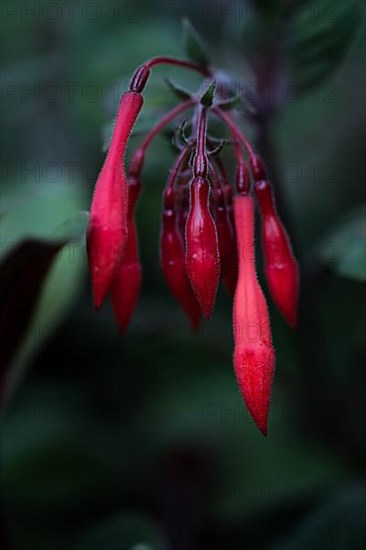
column 207, row 230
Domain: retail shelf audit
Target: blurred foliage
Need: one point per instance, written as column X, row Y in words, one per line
column 142, row 441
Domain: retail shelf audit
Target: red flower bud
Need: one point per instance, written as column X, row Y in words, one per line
column 202, row 254
column 183, row 208
column 254, row 355
column 127, row 279
column 108, row 216
column 224, row 235
column 229, row 266
column 280, row 264
column 173, row 262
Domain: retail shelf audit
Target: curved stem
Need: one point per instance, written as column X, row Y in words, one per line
column 215, row 176
column 222, row 170
column 242, row 175
column 235, row 131
column 180, row 160
column 169, row 195
column 163, row 60
column 168, row 117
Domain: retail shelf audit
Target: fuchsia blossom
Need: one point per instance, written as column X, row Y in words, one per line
column 173, row 261
column 108, row 215
column 254, row 355
column 281, row 266
column 207, row 232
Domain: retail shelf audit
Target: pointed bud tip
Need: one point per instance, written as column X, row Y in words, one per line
column 254, row 368
column 122, row 327
column 206, row 310
column 262, row 427
column 292, row 320
column 260, row 419
column 196, row 325
column 97, row 306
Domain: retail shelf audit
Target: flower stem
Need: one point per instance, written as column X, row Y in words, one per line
column 235, row 131
column 182, row 157
column 142, row 73
column 168, row 117
column 163, row 60
column 200, row 165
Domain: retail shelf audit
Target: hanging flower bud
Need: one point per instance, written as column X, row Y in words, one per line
column 183, row 210
column 280, row 264
column 202, row 254
column 230, row 267
column 127, row 279
column 254, row 355
column 108, row 216
column 224, row 235
column 173, row 261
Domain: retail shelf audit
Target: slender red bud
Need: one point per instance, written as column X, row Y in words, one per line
column 127, row 280
column 183, row 208
column 230, row 273
column 254, row 355
column 224, row 234
column 173, row 261
column 226, row 240
column 108, row 216
column 136, row 163
column 202, row 254
column 281, row 267
column 242, row 178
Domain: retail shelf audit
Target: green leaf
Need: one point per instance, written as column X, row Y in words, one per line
column 123, row 532
column 73, row 229
column 195, row 47
column 230, row 104
column 22, row 275
column 207, row 97
column 321, row 35
column 344, row 250
column 37, row 209
column 178, row 91
column 42, row 245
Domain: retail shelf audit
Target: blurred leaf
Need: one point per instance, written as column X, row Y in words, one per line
column 37, row 210
column 34, row 231
column 195, row 47
column 123, row 532
column 179, row 92
column 322, row 32
column 345, row 249
column 339, row 525
column 73, row 228
column 231, row 103
column 22, row 276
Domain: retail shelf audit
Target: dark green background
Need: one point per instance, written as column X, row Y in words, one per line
column 113, row 442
